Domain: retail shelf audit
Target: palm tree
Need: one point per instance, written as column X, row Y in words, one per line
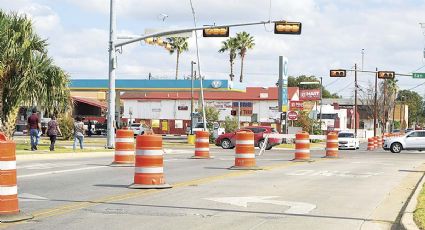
column 231, row 46
column 244, row 42
column 178, row 45
column 27, row 75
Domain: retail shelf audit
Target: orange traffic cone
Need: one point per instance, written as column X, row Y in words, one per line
column 332, row 145
column 202, row 145
column 149, row 170
column 124, row 148
column 9, row 210
column 245, row 151
column 302, row 146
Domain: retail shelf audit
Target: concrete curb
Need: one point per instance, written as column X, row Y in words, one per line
column 407, row 221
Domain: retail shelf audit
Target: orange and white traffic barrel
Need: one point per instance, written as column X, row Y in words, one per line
column 202, row 145
column 332, row 145
column 245, row 151
column 124, row 148
column 302, row 146
column 149, row 169
column 9, row 208
column 375, row 142
column 370, row 144
column 379, row 142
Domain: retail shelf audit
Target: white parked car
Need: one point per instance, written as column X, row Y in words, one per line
column 346, row 140
column 414, row 140
column 139, row 129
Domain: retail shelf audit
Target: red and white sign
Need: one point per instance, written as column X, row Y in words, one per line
column 292, row 115
column 309, row 94
column 296, row 105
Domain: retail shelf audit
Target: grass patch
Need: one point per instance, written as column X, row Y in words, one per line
column 419, row 214
column 44, row 148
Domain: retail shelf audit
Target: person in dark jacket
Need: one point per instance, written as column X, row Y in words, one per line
column 53, row 131
column 33, row 125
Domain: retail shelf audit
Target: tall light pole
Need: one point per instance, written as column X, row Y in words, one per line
column 112, row 66
column 355, row 97
column 375, row 113
column 191, row 96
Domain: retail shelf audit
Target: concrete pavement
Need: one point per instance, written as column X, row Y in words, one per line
column 361, row 190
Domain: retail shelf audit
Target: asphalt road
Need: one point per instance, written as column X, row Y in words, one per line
column 360, row 190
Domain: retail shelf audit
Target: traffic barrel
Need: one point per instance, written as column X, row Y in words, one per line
column 124, row 148
column 380, row 141
column 302, row 146
column 375, row 142
column 370, row 144
column 245, row 151
column 9, row 208
column 332, row 145
column 149, row 169
column 202, row 145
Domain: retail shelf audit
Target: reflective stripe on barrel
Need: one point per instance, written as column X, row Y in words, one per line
column 202, row 144
column 302, row 146
column 332, row 145
column 124, row 147
column 149, row 168
column 370, row 144
column 8, row 179
column 245, row 152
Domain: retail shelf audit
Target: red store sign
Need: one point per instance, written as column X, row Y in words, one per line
column 309, row 94
column 296, row 105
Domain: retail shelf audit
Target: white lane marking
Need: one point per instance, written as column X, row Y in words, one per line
column 333, row 173
column 46, row 165
column 30, row 197
column 376, row 163
column 294, row 207
column 59, row 171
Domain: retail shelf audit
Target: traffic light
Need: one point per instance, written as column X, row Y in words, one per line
column 216, row 32
column 338, row 73
column 287, row 27
column 386, row 74
column 233, row 112
column 150, row 40
column 283, row 116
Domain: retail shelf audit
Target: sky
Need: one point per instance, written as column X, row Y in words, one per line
column 334, row 32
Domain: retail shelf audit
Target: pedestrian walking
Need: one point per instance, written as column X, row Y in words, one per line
column 78, row 132
column 33, row 125
column 53, row 131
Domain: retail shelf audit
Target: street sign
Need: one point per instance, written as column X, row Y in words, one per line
column 418, row 75
column 283, row 116
column 292, row 115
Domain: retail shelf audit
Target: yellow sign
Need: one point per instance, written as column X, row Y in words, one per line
column 164, row 125
column 155, row 123
column 284, row 108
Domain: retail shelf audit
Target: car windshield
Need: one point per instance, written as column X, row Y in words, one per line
column 346, row 135
column 274, row 130
column 135, row 125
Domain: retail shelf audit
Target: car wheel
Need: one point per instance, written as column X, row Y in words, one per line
column 226, row 144
column 269, row 147
column 396, row 147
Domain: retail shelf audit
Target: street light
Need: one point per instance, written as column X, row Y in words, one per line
column 191, row 95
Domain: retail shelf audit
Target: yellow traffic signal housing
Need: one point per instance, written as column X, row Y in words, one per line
column 338, row 73
column 386, row 74
column 216, row 32
column 150, row 41
column 287, row 28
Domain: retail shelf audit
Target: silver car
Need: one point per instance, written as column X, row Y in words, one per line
column 414, row 140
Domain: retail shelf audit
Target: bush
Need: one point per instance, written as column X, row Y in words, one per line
column 230, row 124
column 66, row 125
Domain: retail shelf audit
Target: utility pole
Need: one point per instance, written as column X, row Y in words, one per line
column 239, row 114
column 375, row 114
column 355, row 98
column 112, row 66
column 385, row 116
column 320, row 116
column 191, row 96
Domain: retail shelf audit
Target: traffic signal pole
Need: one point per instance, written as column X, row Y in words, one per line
column 112, row 66
column 355, row 100
column 375, row 114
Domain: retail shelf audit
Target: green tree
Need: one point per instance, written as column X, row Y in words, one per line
column 244, row 42
column 211, row 115
column 309, row 125
column 230, row 124
column 414, row 101
column 178, row 45
column 27, row 75
column 231, row 46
